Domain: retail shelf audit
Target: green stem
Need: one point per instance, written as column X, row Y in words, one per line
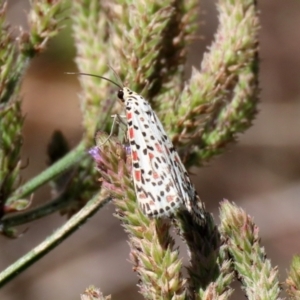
column 55, row 239
column 54, row 170
column 36, row 213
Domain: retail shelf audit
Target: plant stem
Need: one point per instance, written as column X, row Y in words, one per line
column 51, row 172
column 48, row 208
column 55, row 239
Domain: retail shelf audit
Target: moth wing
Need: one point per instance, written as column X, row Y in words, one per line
column 155, row 179
column 180, row 177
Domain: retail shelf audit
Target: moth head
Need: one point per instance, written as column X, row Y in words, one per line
column 121, row 95
column 125, row 93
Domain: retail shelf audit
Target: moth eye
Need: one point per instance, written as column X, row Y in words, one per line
column 121, row 94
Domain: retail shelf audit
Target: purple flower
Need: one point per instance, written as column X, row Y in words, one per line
column 95, row 153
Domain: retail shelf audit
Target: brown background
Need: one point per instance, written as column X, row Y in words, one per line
column 261, row 173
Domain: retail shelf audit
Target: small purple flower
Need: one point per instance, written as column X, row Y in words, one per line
column 95, row 153
column 127, row 149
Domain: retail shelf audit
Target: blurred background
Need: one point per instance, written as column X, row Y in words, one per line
column 261, row 173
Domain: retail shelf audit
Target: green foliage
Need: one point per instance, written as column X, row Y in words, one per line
column 259, row 279
column 45, row 20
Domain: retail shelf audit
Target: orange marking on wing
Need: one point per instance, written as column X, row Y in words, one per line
column 170, row 198
column 131, row 133
column 129, row 116
column 135, row 155
column 158, row 148
column 142, row 195
column 155, row 175
column 137, row 175
column 151, row 155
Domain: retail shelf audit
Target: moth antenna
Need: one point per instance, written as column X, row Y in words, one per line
column 97, row 76
column 116, row 74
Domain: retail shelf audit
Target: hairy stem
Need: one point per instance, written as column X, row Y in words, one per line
column 55, row 239
column 56, row 169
